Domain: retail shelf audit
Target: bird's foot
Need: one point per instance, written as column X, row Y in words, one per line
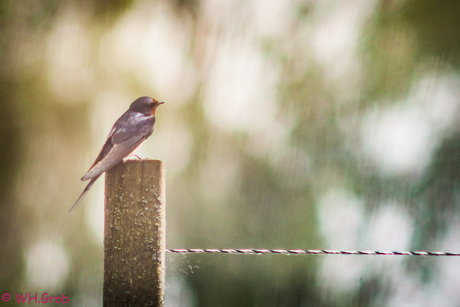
column 133, row 157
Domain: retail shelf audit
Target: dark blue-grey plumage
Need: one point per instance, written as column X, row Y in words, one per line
column 128, row 133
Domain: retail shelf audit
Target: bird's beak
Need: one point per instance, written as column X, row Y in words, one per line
column 155, row 107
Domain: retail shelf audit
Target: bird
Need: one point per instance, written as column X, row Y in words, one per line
column 127, row 134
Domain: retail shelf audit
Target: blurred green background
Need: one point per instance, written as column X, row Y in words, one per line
column 300, row 124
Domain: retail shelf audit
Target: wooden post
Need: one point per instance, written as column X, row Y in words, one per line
column 134, row 234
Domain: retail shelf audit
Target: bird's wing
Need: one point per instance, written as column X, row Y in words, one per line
column 133, row 132
column 123, row 141
column 106, row 148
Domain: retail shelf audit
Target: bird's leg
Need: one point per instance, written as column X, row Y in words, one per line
column 132, row 157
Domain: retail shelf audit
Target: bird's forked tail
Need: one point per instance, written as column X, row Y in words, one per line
column 90, row 184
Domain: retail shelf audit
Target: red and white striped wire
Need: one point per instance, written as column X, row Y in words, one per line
column 308, row 252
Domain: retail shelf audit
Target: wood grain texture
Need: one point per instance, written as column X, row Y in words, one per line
column 134, row 234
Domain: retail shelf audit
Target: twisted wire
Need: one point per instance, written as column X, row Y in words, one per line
column 251, row 251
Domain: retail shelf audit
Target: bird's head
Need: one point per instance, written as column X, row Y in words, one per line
column 145, row 105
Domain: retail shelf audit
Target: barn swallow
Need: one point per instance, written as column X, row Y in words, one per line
column 128, row 133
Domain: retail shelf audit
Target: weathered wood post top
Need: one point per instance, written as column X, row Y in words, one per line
column 134, row 234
